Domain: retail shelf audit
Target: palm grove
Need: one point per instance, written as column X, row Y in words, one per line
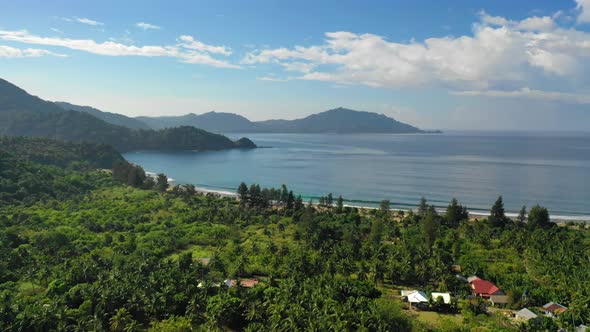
column 82, row 249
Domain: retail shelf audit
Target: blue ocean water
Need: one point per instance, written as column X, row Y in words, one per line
column 551, row 169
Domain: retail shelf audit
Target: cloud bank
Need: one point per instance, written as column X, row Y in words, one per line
column 187, row 50
column 500, row 54
column 11, row 52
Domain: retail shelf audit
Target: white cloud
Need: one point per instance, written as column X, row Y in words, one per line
column 526, row 93
column 204, row 59
column 11, row 52
column 534, row 23
column 88, row 21
column 493, row 20
column 147, row 26
column 56, row 30
column 301, row 67
column 271, row 78
column 584, row 9
column 498, row 53
column 82, row 20
column 111, row 48
column 190, row 43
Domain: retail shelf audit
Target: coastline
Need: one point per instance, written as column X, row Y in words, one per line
column 472, row 213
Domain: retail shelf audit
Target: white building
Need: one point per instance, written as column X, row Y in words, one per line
column 418, row 297
column 525, row 315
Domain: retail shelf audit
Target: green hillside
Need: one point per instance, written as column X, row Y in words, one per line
column 24, row 115
column 81, row 251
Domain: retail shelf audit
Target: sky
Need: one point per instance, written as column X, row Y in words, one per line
column 461, row 64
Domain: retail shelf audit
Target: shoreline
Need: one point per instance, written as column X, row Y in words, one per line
column 472, row 213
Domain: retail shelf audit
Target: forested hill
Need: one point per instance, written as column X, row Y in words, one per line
column 216, row 122
column 24, row 115
column 58, row 153
column 112, row 118
column 338, row 120
column 37, row 169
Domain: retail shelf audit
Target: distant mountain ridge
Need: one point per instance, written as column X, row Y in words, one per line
column 22, row 114
column 214, row 121
column 339, row 120
column 112, row 118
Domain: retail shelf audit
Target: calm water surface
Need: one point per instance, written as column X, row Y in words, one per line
column 552, row 169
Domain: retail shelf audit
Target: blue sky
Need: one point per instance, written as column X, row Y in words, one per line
column 460, row 64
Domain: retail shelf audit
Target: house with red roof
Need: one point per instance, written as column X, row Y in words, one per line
column 553, row 309
column 483, row 288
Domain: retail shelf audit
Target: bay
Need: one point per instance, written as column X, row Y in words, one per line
column 551, row 169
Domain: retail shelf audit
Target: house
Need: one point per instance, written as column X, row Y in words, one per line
column 246, row 283
column 446, row 297
column 418, row 297
column 553, row 309
column 456, row 268
column 525, row 315
column 483, row 288
column 406, row 292
column 500, row 300
column 414, row 296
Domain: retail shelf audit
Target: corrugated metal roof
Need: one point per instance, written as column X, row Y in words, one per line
column 525, row 314
column 417, row 297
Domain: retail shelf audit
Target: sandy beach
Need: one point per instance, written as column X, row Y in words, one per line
column 472, row 213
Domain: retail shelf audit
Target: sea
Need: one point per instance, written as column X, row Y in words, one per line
column 527, row 168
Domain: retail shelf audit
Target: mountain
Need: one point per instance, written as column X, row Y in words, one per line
column 13, row 98
column 339, row 120
column 24, row 115
column 212, row 121
column 112, row 118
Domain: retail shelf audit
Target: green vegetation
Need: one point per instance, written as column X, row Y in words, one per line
column 33, row 170
column 81, row 250
column 61, row 154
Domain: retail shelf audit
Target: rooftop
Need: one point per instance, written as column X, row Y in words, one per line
column 484, row 287
column 525, row 314
column 555, row 308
